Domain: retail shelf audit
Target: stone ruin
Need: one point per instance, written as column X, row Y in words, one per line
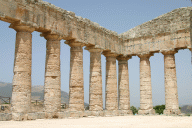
column 165, row 34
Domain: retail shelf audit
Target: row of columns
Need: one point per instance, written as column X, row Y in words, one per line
column 21, row 95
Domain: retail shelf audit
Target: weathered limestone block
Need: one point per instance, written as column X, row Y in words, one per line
column 40, row 115
column 19, row 116
column 111, row 101
column 52, row 87
column 76, row 114
column 171, row 94
column 87, row 113
column 21, row 93
column 5, row 116
column 76, row 82
column 95, row 85
column 109, row 113
column 146, row 104
column 123, row 83
column 97, row 113
column 64, row 114
column 125, row 112
column 31, row 116
column 51, row 115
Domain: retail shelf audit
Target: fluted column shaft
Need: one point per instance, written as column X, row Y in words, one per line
column 76, row 84
column 123, row 83
column 111, row 101
column 95, row 85
column 171, row 94
column 146, row 104
column 21, row 92
column 52, row 87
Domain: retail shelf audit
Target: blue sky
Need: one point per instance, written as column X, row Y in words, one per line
column 119, row 16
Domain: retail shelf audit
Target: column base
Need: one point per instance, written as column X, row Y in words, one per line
column 65, row 114
column 19, row 116
column 73, row 114
column 172, row 112
column 117, row 112
column 51, row 115
column 97, row 113
column 76, row 114
column 29, row 116
column 111, row 113
column 125, row 112
column 5, row 116
column 146, row 112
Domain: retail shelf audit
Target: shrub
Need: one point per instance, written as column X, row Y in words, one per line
column 134, row 110
column 87, row 107
column 159, row 109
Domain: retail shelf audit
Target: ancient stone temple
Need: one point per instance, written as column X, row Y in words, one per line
column 165, row 34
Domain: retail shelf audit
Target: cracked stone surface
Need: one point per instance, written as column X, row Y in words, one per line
column 123, row 83
column 146, row 104
column 76, row 85
column 171, row 94
column 52, row 87
column 111, row 101
column 95, row 86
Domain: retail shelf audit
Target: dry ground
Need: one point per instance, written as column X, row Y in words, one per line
column 106, row 122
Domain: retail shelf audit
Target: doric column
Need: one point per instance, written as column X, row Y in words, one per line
column 111, row 101
column 123, row 83
column 21, row 92
column 95, row 85
column 171, row 94
column 52, row 87
column 76, row 83
column 146, row 104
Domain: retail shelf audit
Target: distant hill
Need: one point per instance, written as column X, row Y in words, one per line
column 186, row 109
column 5, row 89
column 37, row 92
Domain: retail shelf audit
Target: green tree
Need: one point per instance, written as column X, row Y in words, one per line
column 134, row 110
column 159, row 109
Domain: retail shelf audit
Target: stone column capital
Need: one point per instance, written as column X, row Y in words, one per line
column 109, row 54
column 169, row 52
column 73, row 43
column 148, row 55
column 123, row 58
column 49, row 36
column 22, row 28
column 93, row 49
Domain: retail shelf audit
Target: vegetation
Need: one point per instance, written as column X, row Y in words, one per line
column 159, row 109
column 134, row 110
column 188, row 114
column 6, row 103
column 87, row 107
